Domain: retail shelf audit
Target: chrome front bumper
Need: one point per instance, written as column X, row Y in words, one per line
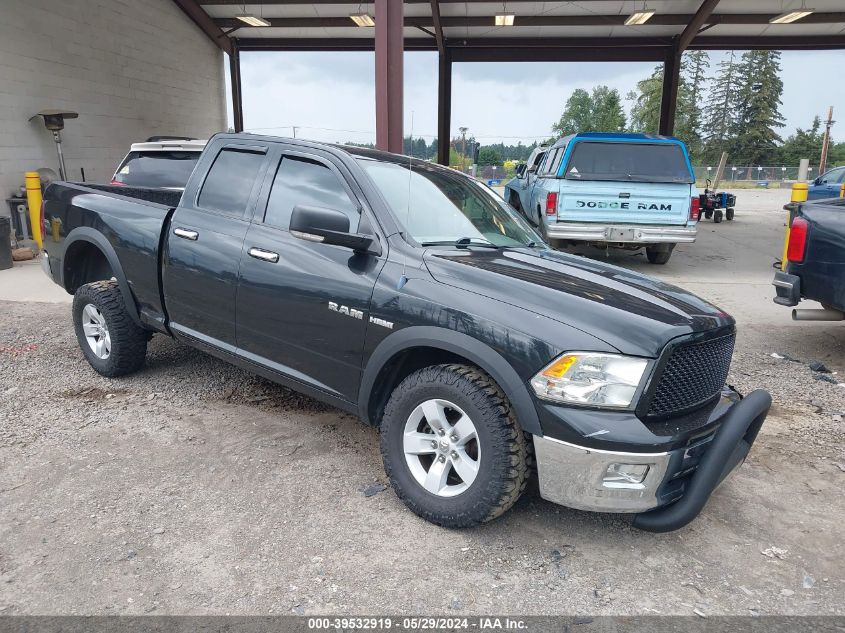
column 573, row 476
column 621, row 233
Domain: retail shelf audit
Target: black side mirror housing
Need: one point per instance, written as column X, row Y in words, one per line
column 818, row 181
column 329, row 226
column 520, row 170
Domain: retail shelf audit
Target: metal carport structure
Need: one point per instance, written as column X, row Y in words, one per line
column 466, row 31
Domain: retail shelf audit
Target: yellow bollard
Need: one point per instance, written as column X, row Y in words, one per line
column 33, row 201
column 799, row 195
column 842, row 190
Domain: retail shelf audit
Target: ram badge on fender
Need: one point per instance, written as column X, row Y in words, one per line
column 414, row 296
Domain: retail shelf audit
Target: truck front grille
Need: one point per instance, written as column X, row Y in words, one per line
column 694, row 373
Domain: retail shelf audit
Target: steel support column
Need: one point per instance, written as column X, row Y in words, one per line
column 389, row 44
column 235, row 81
column 444, row 106
column 671, row 82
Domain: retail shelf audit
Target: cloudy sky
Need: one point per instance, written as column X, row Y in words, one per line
column 331, row 96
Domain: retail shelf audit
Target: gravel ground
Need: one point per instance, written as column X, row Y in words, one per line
column 195, row 488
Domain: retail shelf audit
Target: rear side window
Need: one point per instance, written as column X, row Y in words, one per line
column 157, row 169
column 229, row 182
column 631, row 162
column 300, row 181
column 552, row 162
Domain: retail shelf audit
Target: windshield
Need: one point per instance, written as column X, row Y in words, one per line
column 640, row 162
column 157, row 169
column 447, row 207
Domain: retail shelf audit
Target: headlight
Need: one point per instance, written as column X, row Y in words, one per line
column 600, row 380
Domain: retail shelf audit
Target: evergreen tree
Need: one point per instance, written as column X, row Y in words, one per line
column 758, row 107
column 688, row 119
column 489, row 156
column 719, row 111
column 645, row 112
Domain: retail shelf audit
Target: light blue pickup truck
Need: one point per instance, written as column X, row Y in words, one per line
column 617, row 190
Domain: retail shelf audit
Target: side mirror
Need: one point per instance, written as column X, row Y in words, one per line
column 520, row 170
column 329, row 226
column 818, row 181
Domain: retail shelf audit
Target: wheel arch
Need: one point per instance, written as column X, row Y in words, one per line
column 415, row 347
column 85, row 243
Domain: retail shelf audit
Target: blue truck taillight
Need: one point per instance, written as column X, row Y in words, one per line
column 551, row 203
column 694, row 208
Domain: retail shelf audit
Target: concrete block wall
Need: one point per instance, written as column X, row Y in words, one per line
column 130, row 68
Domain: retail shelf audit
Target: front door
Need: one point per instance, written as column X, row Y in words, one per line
column 204, row 243
column 303, row 307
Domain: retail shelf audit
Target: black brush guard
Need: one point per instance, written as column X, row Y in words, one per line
column 728, row 448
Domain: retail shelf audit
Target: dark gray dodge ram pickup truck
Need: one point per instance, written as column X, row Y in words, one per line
column 417, row 298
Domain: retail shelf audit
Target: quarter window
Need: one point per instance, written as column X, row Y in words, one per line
column 229, row 182
column 301, row 181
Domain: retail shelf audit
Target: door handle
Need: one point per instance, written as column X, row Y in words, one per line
column 186, row 234
column 267, row 256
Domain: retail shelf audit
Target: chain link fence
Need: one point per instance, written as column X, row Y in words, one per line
column 753, row 173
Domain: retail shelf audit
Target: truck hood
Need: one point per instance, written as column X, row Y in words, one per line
column 633, row 313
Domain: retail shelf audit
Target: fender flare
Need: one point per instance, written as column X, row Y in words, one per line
column 470, row 348
column 92, row 236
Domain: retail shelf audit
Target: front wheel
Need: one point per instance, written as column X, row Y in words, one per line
column 452, row 447
column 112, row 343
column 717, row 216
column 729, row 214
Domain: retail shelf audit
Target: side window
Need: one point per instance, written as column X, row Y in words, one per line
column 552, row 159
column 229, row 182
column 537, row 160
column 837, row 176
column 300, row 181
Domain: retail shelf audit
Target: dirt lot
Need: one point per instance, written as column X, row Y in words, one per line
column 195, row 488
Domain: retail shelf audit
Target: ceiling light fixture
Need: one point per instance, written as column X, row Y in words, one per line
column 362, row 19
column 504, row 19
column 639, row 17
column 253, row 20
column 791, row 16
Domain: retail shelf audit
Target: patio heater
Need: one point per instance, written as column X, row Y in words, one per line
column 54, row 120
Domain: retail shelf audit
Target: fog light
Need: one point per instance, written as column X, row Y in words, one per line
column 625, row 473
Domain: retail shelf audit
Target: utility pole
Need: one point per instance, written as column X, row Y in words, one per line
column 826, row 142
column 463, row 131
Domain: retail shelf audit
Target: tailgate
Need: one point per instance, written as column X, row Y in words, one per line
column 624, row 202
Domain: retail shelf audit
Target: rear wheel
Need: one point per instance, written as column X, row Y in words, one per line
column 659, row 254
column 112, row 343
column 729, row 214
column 717, row 216
column 452, row 447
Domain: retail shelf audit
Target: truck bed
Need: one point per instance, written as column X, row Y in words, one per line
column 131, row 221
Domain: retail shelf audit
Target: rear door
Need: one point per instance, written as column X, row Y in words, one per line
column 303, row 306
column 625, row 183
column 205, row 239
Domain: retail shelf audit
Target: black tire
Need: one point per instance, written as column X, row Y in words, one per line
column 708, row 214
column 729, row 214
column 659, row 254
column 717, row 216
column 503, row 469
column 128, row 340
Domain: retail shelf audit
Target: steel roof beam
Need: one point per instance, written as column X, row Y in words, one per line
column 698, row 20
column 204, row 22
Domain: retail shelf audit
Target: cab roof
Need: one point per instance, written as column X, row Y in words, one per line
column 613, row 136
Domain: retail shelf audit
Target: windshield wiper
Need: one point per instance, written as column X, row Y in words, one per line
column 463, row 242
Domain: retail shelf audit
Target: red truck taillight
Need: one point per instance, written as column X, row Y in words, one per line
column 115, row 182
column 694, row 208
column 551, row 203
column 797, row 240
